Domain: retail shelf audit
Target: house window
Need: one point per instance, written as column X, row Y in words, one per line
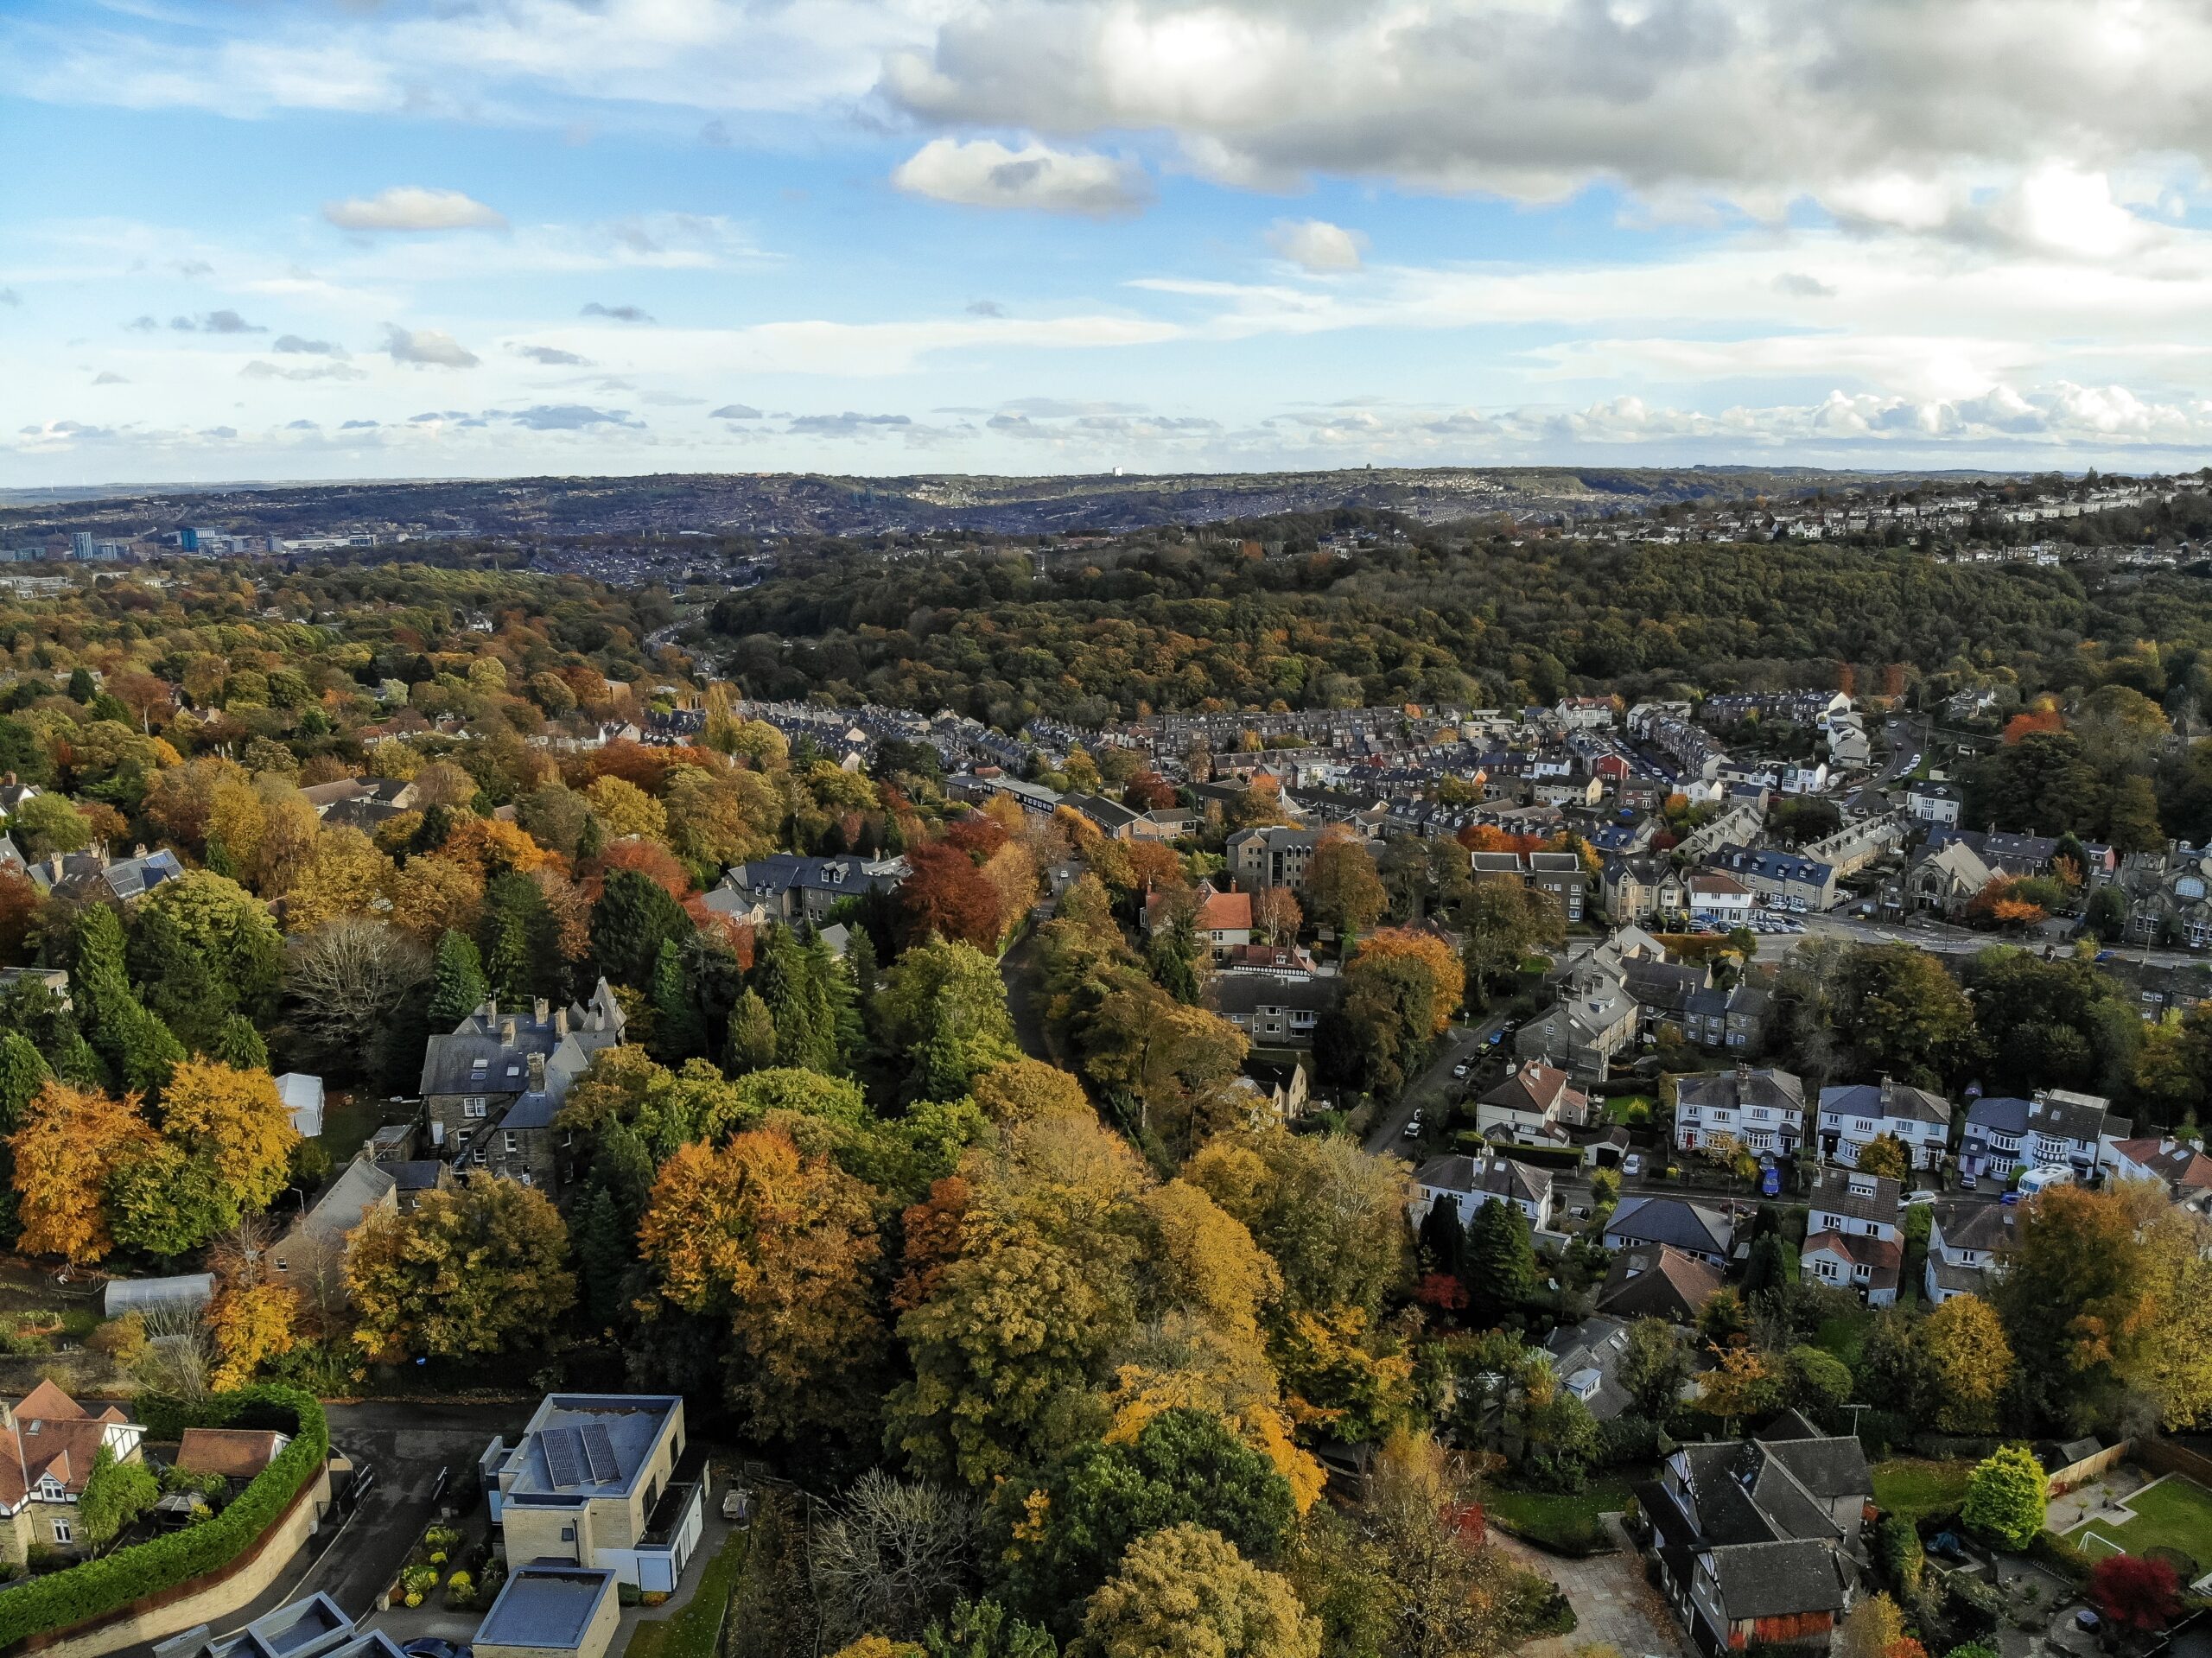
column 472, row 1105
column 50, row 1489
column 568, row 1533
column 509, row 1137
column 61, row 1532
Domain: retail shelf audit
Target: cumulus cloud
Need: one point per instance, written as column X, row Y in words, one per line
column 552, row 357
column 257, row 370
column 735, row 411
column 1754, row 102
column 193, row 268
column 302, row 426
column 210, row 322
column 142, row 325
column 1317, row 245
column 983, row 172
column 619, row 313
column 359, row 425
column 570, row 417
column 848, row 424
column 426, row 347
column 292, row 342
column 411, row 207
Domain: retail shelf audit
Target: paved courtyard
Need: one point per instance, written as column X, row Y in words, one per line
column 1614, row 1603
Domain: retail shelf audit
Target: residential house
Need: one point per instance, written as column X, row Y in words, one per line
column 1756, row 1543
column 94, row 877
column 47, row 1445
column 1467, row 1182
column 1967, row 1243
column 1536, row 1103
column 2055, row 1126
column 1559, row 873
column 1658, row 1281
column 601, row 1481
column 237, row 1455
column 490, row 1088
column 552, row 1612
column 1717, row 899
column 792, row 888
column 1276, row 856
column 1854, row 1238
column 1939, row 803
column 2180, row 1165
column 1587, row 1358
column 1734, row 1017
column 1275, row 1010
column 1762, row 1110
column 1856, row 1114
column 1221, row 920
column 1594, row 1018
column 1698, row 1230
column 1787, row 880
column 310, row 1256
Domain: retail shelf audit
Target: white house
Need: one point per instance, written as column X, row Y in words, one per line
column 1939, row 803
column 1467, row 1182
column 2180, row 1165
column 1762, row 1110
column 1853, row 1115
column 2053, row 1125
column 302, row 1097
column 1854, row 1238
column 1720, row 899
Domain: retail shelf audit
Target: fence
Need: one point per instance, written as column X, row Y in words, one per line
column 2164, row 1457
column 2077, row 1474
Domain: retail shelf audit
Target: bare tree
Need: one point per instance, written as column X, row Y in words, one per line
column 893, row 1555
column 179, row 1352
column 348, row 979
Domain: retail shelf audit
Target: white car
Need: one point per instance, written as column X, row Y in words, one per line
column 1413, row 1126
column 1632, row 1164
column 1460, row 1071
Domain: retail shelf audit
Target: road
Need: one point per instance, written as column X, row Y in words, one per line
column 1434, row 1087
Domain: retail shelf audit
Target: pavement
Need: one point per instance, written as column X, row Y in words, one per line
column 1434, row 1088
column 1614, row 1603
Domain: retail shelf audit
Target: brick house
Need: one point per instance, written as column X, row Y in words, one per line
column 47, row 1445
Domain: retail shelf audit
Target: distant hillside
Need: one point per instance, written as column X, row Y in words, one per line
column 807, row 503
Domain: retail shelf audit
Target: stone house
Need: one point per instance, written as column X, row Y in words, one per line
column 47, row 1445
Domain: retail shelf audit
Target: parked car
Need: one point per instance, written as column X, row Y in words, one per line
column 1460, row 1071
column 1413, row 1126
column 1632, row 1164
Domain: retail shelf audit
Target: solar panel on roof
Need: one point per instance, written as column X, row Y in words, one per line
column 563, row 1455
column 598, row 1451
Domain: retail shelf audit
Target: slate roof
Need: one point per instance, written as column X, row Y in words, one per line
column 1657, row 1281
column 1495, row 1177
column 1832, row 1192
column 1886, row 1099
column 1670, row 1220
column 1778, row 1580
column 449, row 1061
column 1776, row 1089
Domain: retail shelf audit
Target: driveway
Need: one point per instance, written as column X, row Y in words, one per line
column 1614, row 1603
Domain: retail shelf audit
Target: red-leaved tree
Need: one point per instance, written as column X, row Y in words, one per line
column 2135, row 1592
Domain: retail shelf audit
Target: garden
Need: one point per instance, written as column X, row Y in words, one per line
column 446, row 1562
column 2171, row 1521
column 1565, row 1522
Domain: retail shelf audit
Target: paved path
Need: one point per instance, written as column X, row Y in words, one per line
column 1614, row 1603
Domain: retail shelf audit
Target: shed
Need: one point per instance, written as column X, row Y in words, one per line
column 137, row 1294
column 302, row 1097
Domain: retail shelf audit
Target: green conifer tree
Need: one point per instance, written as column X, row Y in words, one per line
column 458, row 985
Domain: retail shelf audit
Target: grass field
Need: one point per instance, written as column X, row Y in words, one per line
column 690, row 1633
column 2175, row 1513
column 1565, row 1522
column 1630, row 1108
column 1913, row 1486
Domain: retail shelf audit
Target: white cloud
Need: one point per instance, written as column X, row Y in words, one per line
column 426, row 347
column 411, row 207
column 1317, row 245
column 983, row 172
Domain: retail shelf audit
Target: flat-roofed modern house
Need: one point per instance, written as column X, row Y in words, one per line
column 314, row 1627
column 601, row 1481
column 551, row 1611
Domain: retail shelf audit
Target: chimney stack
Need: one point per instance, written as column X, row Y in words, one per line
column 538, row 1073
column 540, row 1011
column 507, row 1032
column 561, row 1022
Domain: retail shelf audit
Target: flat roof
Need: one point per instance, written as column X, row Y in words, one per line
column 546, row 1607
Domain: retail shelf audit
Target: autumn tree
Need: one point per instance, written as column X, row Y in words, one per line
column 1276, row 916
column 1187, row 1589
column 1969, row 1361
column 343, row 873
column 2135, row 1592
column 1019, row 1090
column 237, row 1122
column 472, row 1271
column 781, row 1246
column 947, row 895
column 70, row 1141
column 252, row 1318
column 1871, row 1629
column 944, row 1005
column 1342, row 890
column 1326, row 1212
column 1653, row 1365
column 1885, row 1155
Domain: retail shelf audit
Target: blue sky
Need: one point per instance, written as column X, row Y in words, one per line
column 305, row 238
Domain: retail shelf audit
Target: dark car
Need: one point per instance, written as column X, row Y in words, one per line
column 431, row 1645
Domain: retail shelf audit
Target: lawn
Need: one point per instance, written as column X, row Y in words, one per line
column 1913, row 1486
column 347, row 1125
column 1630, row 1108
column 2173, row 1514
column 690, row 1633
column 1564, row 1522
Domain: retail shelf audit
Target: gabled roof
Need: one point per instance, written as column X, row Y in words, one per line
column 1881, row 1258
column 1833, row 1192
column 1886, row 1099
column 1670, row 1220
column 1494, row 1176
column 1535, row 1088
column 1658, row 1281
column 2177, row 1162
column 1735, row 1088
column 1778, row 1580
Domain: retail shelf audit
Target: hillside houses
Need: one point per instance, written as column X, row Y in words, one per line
column 1853, row 1115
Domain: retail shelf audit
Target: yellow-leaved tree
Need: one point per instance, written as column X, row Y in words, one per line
column 72, row 1139
column 237, row 1121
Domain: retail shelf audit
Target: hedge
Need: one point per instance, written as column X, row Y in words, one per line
column 62, row 1600
column 2050, row 1549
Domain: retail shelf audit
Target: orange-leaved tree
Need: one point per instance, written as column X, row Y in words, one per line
column 71, row 1141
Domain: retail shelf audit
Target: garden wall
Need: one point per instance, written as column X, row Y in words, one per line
column 2076, row 1474
column 2164, row 1457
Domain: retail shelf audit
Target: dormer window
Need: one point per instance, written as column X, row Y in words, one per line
column 50, row 1489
